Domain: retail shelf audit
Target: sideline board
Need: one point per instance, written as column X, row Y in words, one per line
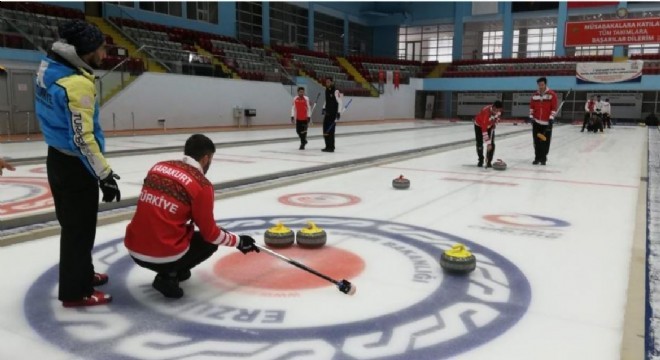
column 469, row 104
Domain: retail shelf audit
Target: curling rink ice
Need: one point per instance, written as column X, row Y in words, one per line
column 552, row 243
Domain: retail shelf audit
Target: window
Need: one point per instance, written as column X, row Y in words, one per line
column 249, row 21
column 147, row 5
column 122, row 3
column 329, row 33
column 288, row 25
column 491, row 45
column 203, row 11
column 534, row 42
column 360, row 39
column 426, row 43
column 643, row 49
column 594, row 50
column 163, row 7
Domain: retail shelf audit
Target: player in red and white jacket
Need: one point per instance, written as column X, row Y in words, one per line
column 301, row 114
column 175, row 195
column 589, row 108
column 484, row 131
column 542, row 111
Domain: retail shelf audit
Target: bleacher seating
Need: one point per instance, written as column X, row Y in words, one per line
column 39, row 22
column 651, row 63
column 542, row 66
column 320, row 67
column 249, row 62
column 370, row 66
column 177, row 46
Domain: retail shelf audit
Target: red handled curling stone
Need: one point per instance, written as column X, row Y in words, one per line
column 401, row 183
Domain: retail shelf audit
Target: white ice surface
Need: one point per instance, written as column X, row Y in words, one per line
column 578, row 275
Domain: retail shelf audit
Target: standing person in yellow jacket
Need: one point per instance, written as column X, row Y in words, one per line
column 68, row 112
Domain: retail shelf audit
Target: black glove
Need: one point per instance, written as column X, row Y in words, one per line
column 338, row 116
column 110, row 188
column 551, row 121
column 246, row 244
column 309, row 119
column 530, row 119
column 323, row 112
column 292, row 121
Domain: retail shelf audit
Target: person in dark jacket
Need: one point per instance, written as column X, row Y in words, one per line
column 331, row 114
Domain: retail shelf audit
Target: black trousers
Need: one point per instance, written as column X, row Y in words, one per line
column 329, row 125
column 541, row 147
column 607, row 121
column 198, row 251
column 585, row 122
column 301, row 130
column 480, row 143
column 76, row 194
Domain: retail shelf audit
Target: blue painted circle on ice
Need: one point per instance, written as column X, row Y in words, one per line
column 39, row 308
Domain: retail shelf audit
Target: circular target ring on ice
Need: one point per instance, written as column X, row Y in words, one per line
column 401, row 285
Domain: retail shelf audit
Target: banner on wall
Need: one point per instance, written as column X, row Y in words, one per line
column 520, row 103
column 609, row 73
column 469, row 104
column 612, row 32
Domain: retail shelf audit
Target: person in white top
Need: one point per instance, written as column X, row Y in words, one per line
column 599, row 105
column 607, row 113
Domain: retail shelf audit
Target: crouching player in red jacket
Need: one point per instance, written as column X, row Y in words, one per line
column 484, row 131
column 160, row 236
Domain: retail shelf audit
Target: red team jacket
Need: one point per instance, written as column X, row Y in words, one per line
column 485, row 120
column 173, row 193
column 543, row 106
column 301, row 110
column 590, row 106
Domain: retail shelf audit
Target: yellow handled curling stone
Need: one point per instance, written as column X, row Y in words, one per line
column 311, row 236
column 279, row 236
column 458, row 260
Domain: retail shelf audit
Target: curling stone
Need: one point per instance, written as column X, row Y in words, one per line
column 458, row 260
column 499, row 165
column 401, row 183
column 279, row 236
column 311, row 236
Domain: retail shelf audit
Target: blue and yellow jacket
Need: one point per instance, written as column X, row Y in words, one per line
column 67, row 108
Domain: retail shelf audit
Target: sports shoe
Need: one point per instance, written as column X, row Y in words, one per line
column 535, row 162
column 480, row 163
column 543, row 163
column 97, row 298
column 100, row 279
column 168, row 286
column 488, row 165
column 327, row 150
column 183, row 275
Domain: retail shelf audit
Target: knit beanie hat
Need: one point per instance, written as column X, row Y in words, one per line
column 85, row 37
